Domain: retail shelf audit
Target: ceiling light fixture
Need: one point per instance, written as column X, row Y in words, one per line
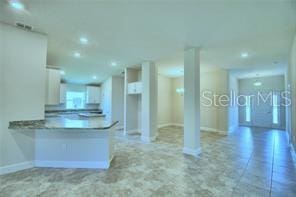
column 94, row 77
column 257, row 82
column 244, row 54
column 113, row 64
column 15, row 4
column 83, row 40
column 77, row 55
column 180, row 91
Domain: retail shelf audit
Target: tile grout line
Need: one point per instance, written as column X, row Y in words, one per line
column 270, row 189
column 244, row 171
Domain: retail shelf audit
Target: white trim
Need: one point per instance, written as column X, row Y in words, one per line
column 208, row 129
column 16, row 167
column 288, row 136
column 193, row 152
column 132, row 131
column 73, row 164
column 148, row 139
column 201, row 128
column 293, row 152
column 177, row 124
column 214, row 130
column 165, row 125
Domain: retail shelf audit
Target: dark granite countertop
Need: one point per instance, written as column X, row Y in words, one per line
column 71, row 121
column 73, row 110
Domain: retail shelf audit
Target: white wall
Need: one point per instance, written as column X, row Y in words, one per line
column 2, row 127
column 132, row 103
column 292, row 83
column 113, row 99
column 118, row 99
column 23, row 63
column 164, row 100
column 233, row 116
column 177, row 101
column 212, row 118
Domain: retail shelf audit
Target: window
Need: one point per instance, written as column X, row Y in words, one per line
column 248, row 109
column 75, row 100
column 275, row 108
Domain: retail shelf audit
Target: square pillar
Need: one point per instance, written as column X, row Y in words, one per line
column 192, row 102
column 149, row 102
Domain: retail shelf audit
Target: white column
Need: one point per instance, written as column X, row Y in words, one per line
column 192, row 102
column 149, row 101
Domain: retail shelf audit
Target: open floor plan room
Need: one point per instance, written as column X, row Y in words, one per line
column 249, row 162
column 147, row 98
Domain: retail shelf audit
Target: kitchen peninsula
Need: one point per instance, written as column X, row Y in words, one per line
column 71, row 140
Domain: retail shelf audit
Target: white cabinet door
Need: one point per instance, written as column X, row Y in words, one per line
column 138, row 87
column 134, row 88
column 97, row 95
column 63, row 93
column 131, row 89
column 53, row 79
column 93, row 95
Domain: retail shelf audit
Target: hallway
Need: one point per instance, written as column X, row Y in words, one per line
column 247, row 162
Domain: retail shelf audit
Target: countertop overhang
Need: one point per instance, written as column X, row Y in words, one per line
column 72, row 121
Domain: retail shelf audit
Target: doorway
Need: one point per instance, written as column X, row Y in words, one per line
column 263, row 105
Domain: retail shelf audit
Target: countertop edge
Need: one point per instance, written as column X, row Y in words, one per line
column 29, row 125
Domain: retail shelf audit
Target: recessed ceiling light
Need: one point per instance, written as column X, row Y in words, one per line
column 244, row 54
column 16, row 4
column 77, row 55
column 83, row 40
column 257, row 83
column 94, row 77
column 62, row 72
column 113, row 64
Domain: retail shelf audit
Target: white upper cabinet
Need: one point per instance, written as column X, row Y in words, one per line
column 63, row 93
column 93, row 94
column 53, row 79
column 135, row 88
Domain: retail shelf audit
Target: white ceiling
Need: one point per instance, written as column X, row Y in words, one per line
column 130, row 32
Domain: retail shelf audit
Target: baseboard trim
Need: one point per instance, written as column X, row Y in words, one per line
column 132, row 131
column 148, row 139
column 293, row 153
column 73, row 164
column 214, row 130
column 193, row 152
column 208, row 129
column 201, row 128
column 16, row 167
column 164, row 125
column 177, row 124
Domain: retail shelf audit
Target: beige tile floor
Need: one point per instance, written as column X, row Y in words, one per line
column 249, row 162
